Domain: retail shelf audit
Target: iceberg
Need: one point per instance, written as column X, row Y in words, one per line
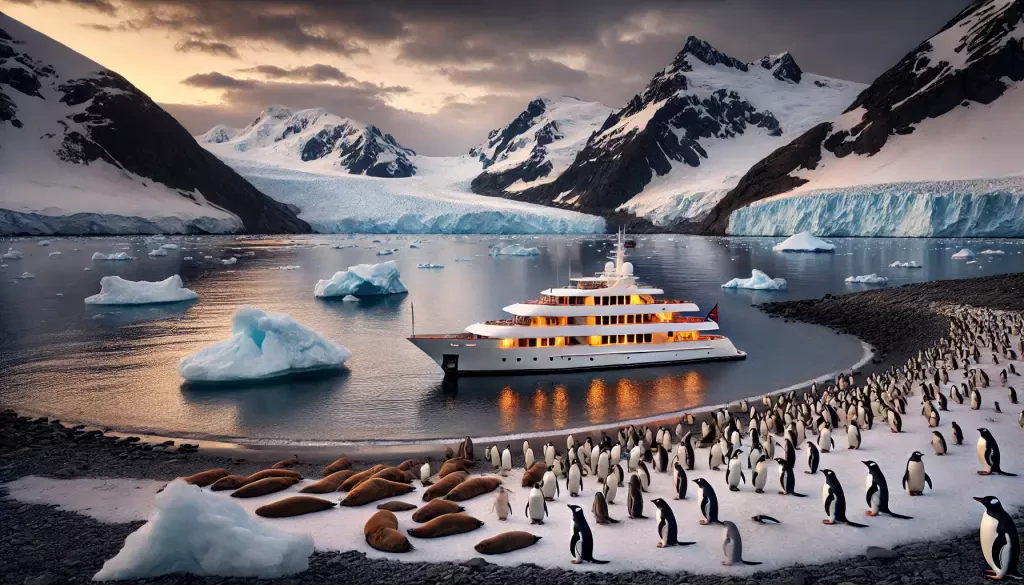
column 429, row 265
column 350, row 299
column 169, row 246
column 963, row 254
column 415, row 243
column 992, row 252
column 229, row 261
column 44, row 242
column 197, row 532
column 56, row 253
column 911, row 264
column 158, row 252
column 385, row 252
column 119, row 257
column 514, row 250
column 26, row 275
column 115, row 290
column 12, row 254
column 803, row 242
column 758, row 281
column 362, row 280
column 867, row 279
column 262, row 345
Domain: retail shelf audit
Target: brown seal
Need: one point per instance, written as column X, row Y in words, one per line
column 273, row 473
column 466, row 449
column 472, row 488
column 375, row 489
column 293, row 460
column 534, row 474
column 381, row 532
column 353, row 481
column 446, row 525
column 294, row 506
column 339, row 465
column 445, row 485
column 453, row 465
column 435, row 508
column 394, row 474
column 411, row 464
column 396, row 506
column 329, row 484
column 506, row 542
column 264, row 486
column 600, row 510
column 229, row 482
column 205, row 478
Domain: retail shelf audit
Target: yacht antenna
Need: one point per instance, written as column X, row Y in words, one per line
column 412, row 306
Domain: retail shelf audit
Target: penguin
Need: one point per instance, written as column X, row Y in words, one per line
column 734, row 472
column 958, row 435
column 635, row 498
column 616, row 454
column 501, row 506
column 915, row 477
column 668, row 531
column 716, row 457
column 707, row 501
column 635, row 454
column 686, row 446
column 988, row 454
column 425, row 474
column 620, row 475
column 895, row 421
column 506, row 461
column 825, row 441
column 594, row 459
column 975, row 399
column 558, row 466
column 528, row 459
column 754, row 454
column 732, row 546
column 995, row 406
column 679, row 482
column 938, row 443
column 835, row 501
column 549, row 485
column 1011, row 394
column 549, row 454
column 759, row 477
column 600, row 510
column 999, row 540
column 574, row 479
column 536, row 507
column 581, row 542
column 853, row 436
column 526, row 447
column 611, row 487
column 812, row 458
column 661, row 461
column 877, row 493
column 495, row 458
column 603, row 462
column 787, row 481
column 644, row 475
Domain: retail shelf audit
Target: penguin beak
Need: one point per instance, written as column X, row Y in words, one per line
column 977, row 499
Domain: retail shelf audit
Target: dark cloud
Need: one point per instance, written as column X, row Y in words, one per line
column 194, row 45
column 520, row 74
column 315, row 73
column 215, row 80
column 103, row 6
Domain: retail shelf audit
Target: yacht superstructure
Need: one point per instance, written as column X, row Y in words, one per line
column 603, row 321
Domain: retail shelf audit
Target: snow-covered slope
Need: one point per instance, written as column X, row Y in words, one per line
column 280, row 134
column 676, row 148
column 931, row 148
column 82, row 151
column 537, row 145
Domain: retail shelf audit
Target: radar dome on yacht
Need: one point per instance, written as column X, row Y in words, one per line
column 627, row 268
column 609, row 267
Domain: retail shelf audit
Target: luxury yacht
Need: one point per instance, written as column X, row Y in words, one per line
column 608, row 320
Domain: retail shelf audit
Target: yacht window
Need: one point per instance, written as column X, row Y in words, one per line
column 622, row 339
column 629, row 338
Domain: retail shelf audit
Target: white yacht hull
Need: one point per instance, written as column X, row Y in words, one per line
column 458, row 355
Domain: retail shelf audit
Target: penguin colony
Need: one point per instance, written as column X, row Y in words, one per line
column 754, row 447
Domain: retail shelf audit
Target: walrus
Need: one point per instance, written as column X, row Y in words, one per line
column 453, row 465
column 340, row 464
column 600, row 510
column 208, row 477
column 435, row 508
column 264, row 486
column 375, row 489
column 329, row 484
column 354, row 480
column 396, row 506
column 272, row 473
column 293, row 460
column 395, row 474
column 294, row 506
column 472, row 488
column 446, row 525
column 410, row 464
column 381, row 532
column 506, row 542
column 534, row 474
column 228, row 482
column 444, row 485
column 466, row 449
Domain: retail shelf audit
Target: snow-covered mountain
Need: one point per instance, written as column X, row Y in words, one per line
column 678, row 147
column 538, row 145
column 82, row 151
column 282, row 134
column 932, row 148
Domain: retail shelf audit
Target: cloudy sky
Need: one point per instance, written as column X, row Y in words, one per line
column 437, row 74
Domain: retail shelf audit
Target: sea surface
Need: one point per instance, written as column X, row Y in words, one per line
column 116, row 366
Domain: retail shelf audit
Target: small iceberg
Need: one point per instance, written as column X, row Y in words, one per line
column 169, row 247
column 514, row 250
column 344, row 246
column 463, row 259
column 963, row 254
column 803, row 242
column 119, row 257
column 991, row 252
column 385, row 252
column 229, row 261
column 56, row 253
column 157, row 252
column 44, row 242
column 363, row 280
column 758, row 281
column 198, row 532
column 26, row 275
column 12, row 254
column 911, row 264
column 867, row 279
column 350, row 299
column 296, row 267
column 429, row 265
column 416, row 244
column 262, row 345
column 115, row 290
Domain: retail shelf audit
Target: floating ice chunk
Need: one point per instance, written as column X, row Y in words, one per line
column 972, row 262
column 169, row 247
column 429, row 265
column 187, row 258
column 12, row 254
column 119, row 257
column 296, row 267
column 115, row 290
column 963, row 254
column 463, row 259
column 803, row 242
column 385, row 252
column 55, row 253
column 158, row 252
column 229, row 261
column 758, row 281
column 350, row 299
column 26, row 275
column 262, row 345
column 197, row 532
column 514, row 250
column 363, row 280
column 911, row 264
column 415, row 243
column 867, row 279
column 87, row 268
column 208, row 257
column 344, row 246
column 44, row 242
column 991, row 252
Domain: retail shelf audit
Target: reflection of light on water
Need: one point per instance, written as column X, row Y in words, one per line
column 539, row 407
column 597, row 404
column 627, row 399
column 560, row 408
column 508, row 409
column 694, row 389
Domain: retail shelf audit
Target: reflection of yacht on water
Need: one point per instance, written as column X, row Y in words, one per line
column 602, row 321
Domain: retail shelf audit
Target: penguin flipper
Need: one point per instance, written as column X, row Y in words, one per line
column 899, row 516
column 597, row 561
column 906, row 474
column 510, row 509
column 546, row 509
column 855, row 524
column 798, row 495
column 928, row 480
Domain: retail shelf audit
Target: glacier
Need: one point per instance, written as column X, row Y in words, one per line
column 115, row 290
column 758, row 281
column 363, row 280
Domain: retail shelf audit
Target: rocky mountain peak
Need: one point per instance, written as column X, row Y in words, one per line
column 782, row 66
column 703, row 51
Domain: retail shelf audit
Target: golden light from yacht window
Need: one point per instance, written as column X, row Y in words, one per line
column 508, row 409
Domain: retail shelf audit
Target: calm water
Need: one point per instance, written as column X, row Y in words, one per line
column 116, row 366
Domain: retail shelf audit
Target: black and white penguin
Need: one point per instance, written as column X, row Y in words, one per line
column 668, row 531
column 789, row 453
column 958, row 435
column 679, row 482
column 732, row 546
column 915, row 477
column 603, row 462
column 611, row 487
column 686, row 447
column 999, row 540
column 661, row 461
column 938, row 443
column 506, row 460
column 812, row 458
column 549, row 485
column 708, row 501
column 895, row 421
column 975, row 399
column 787, row 481
column 536, row 507
column 644, row 475
column 635, row 498
column 877, row 494
column 581, row 541
column 853, row 436
column 988, row 454
column 835, row 501
column 734, row 471
column 574, row 479
column 759, row 477
column 1012, row 395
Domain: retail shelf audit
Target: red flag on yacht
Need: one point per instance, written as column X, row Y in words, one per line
column 712, row 314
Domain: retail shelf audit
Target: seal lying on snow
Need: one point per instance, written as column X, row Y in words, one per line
column 445, row 485
column 207, row 477
column 338, row 465
column 396, row 506
column 453, row 465
column 264, row 486
column 395, row 474
column 354, row 480
column 294, row 506
column 329, row 484
column 446, row 525
column 472, row 488
column 410, row 464
column 506, row 542
column 434, row 508
column 229, row 482
column 534, row 474
column 272, row 473
column 293, row 460
column 375, row 489
column 381, row 532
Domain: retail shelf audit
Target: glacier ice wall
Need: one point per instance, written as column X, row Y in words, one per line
column 973, row 208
